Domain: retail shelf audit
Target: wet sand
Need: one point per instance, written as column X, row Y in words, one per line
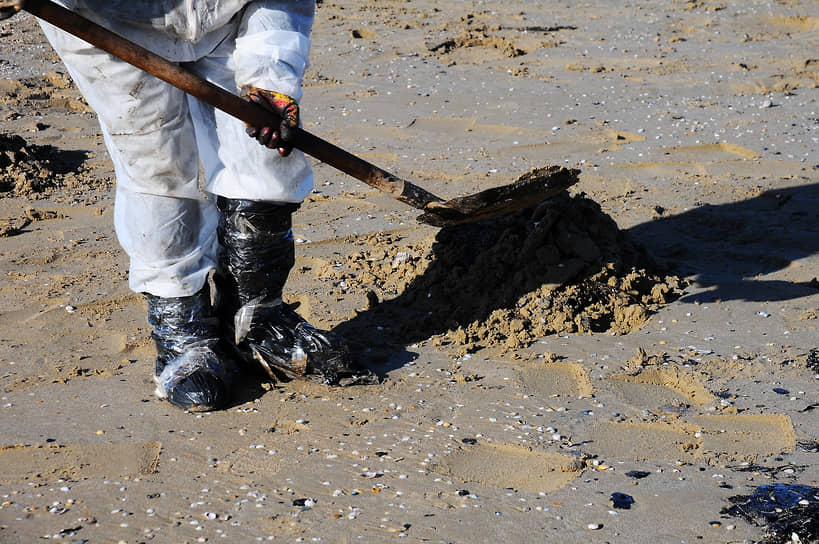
column 652, row 333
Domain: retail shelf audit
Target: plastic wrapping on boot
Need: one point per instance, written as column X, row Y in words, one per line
column 192, row 372
column 196, row 379
column 288, row 347
column 259, row 253
column 258, row 245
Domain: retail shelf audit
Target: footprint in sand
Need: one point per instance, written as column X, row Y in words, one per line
column 505, row 466
column 26, row 463
column 660, row 386
column 554, row 379
column 696, row 438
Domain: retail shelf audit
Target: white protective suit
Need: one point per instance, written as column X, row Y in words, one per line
column 157, row 135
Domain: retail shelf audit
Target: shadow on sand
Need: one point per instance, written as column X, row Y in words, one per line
column 729, row 247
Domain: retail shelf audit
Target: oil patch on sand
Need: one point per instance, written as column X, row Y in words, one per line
column 789, row 512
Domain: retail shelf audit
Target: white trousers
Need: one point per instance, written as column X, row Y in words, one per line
column 157, row 136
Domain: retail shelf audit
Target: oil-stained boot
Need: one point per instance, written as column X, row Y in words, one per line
column 192, row 371
column 258, row 254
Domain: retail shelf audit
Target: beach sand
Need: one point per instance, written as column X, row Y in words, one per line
column 653, row 334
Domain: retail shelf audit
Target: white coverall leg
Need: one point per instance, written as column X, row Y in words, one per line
column 157, row 135
column 166, row 221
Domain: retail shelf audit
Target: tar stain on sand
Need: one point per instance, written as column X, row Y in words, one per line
column 789, row 512
column 561, row 267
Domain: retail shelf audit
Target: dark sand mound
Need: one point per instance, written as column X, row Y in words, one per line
column 562, row 267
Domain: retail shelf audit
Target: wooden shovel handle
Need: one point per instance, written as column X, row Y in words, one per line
column 226, row 101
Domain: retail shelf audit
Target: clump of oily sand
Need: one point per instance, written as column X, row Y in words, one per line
column 12, row 226
column 562, row 267
column 565, row 268
column 36, row 171
column 479, row 37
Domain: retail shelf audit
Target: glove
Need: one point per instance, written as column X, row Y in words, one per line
column 285, row 107
column 6, row 12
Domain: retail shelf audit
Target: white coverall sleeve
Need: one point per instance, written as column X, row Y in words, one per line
column 273, row 46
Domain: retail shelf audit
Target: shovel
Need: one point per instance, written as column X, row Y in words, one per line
column 527, row 191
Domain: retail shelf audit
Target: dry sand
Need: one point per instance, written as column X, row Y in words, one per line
column 653, row 333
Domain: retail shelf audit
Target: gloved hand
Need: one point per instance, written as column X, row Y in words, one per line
column 285, row 107
column 6, row 12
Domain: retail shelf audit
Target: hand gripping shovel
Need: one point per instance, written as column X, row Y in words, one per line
column 528, row 190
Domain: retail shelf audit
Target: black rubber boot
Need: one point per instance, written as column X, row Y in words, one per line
column 192, row 372
column 258, row 254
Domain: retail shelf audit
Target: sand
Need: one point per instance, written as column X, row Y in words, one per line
column 652, row 332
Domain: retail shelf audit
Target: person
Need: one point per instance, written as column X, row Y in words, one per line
column 212, row 261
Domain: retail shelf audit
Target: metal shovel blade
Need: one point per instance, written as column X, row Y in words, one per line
column 528, row 190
